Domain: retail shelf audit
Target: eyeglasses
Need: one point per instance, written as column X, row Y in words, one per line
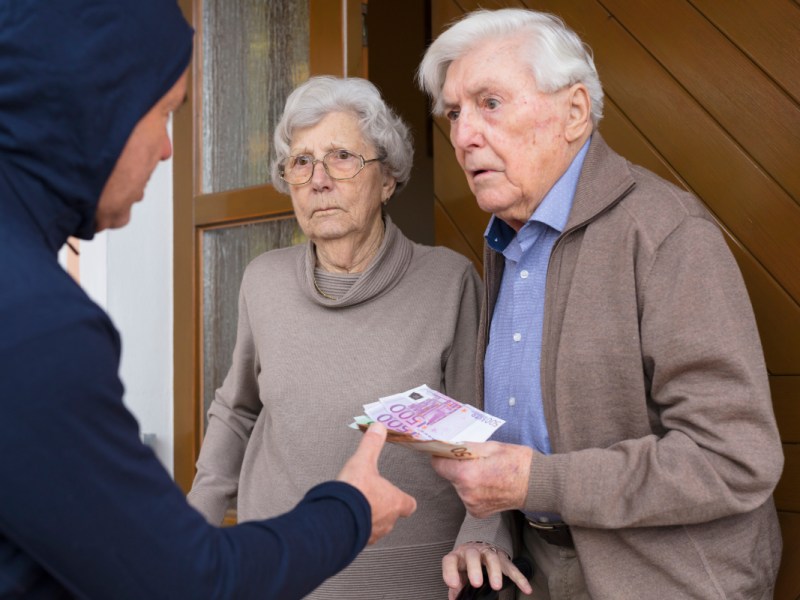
column 339, row 164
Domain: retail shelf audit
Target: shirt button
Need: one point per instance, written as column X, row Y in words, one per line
column 517, row 337
column 523, row 274
column 512, row 401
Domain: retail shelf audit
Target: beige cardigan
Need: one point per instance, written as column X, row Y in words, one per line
column 303, row 367
column 656, row 397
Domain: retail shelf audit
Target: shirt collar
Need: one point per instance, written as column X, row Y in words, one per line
column 553, row 211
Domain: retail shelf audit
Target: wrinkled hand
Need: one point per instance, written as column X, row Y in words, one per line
column 496, row 482
column 465, row 562
column 388, row 503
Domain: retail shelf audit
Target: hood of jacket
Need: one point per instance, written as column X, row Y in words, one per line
column 75, row 78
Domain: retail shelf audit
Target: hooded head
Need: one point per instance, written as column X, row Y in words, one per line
column 75, row 78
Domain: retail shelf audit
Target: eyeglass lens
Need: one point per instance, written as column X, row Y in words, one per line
column 339, row 164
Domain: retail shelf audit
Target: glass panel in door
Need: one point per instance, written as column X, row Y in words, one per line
column 254, row 52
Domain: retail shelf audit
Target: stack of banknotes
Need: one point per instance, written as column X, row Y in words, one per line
column 426, row 420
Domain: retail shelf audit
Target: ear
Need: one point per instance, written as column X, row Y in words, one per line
column 387, row 189
column 579, row 118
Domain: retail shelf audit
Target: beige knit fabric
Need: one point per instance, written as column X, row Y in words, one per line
column 304, row 366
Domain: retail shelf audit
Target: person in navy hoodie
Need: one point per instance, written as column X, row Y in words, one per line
column 87, row 511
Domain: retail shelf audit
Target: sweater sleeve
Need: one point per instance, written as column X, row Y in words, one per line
column 86, row 504
column 495, row 529
column 715, row 450
column 231, row 419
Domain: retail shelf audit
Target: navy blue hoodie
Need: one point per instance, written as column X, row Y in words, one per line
column 85, row 509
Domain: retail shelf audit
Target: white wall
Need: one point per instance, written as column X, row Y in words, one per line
column 129, row 272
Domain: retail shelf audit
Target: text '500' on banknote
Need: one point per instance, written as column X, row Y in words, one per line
column 426, row 420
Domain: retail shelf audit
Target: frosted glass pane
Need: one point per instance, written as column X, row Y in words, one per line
column 254, row 53
column 226, row 253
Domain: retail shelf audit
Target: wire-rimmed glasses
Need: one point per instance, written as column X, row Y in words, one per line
column 339, row 164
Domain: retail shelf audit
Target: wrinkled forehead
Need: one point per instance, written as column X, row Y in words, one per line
column 494, row 63
column 336, row 130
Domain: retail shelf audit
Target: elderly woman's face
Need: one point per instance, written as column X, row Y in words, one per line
column 328, row 208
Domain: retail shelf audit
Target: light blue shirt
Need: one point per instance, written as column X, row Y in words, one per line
column 512, row 385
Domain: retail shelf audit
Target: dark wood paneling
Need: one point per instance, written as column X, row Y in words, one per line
column 470, row 5
column 449, row 235
column 764, row 30
column 787, row 494
column 453, row 194
column 393, row 71
column 722, row 79
column 443, row 12
column 625, row 138
column 753, row 207
column 786, row 399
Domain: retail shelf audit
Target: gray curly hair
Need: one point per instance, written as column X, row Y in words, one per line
column 311, row 101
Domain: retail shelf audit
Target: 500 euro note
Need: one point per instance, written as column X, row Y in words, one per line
column 427, row 420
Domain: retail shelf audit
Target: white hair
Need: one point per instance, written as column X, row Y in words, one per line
column 313, row 100
column 555, row 54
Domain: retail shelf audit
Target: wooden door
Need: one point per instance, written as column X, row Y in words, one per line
column 707, row 95
column 249, row 54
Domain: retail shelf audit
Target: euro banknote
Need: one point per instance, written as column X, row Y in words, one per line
column 429, row 421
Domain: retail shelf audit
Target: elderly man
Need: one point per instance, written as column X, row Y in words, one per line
column 640, row 451
column 87, row 88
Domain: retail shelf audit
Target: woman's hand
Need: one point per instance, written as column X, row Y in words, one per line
column 467, row 561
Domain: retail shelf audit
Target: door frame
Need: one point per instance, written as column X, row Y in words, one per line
column 337, row 47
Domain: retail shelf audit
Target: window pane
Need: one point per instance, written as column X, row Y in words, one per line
column 254, row 53
column 226, row 253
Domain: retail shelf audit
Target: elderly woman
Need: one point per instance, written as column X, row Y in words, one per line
column 357, row 313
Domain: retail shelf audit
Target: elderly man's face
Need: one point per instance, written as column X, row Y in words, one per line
column 509, row 138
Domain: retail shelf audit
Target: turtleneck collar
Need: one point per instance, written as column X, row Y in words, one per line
column 383, row 273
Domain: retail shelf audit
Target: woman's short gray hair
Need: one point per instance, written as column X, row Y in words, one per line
column 556, row 55
column 311, row 101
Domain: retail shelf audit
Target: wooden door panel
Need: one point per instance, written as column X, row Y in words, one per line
column 786, row 399
column 442, row 13
column 788, row 585
column 722, row 79
column 450, row 235
column 787, row 494
column 764, row 30
column 452, row 193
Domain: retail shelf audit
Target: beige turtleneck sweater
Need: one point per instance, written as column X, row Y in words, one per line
column 304, row 365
